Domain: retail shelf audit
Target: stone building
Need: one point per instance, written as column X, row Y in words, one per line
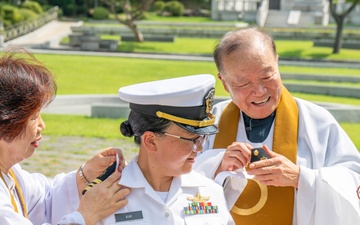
column 278, row 13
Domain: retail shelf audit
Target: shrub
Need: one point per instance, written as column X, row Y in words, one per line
column 28, row 14
column 175, row 8
column 100, row 13
column 159, row 7
column 33, row 6
column 10, row 15
column 70, row 10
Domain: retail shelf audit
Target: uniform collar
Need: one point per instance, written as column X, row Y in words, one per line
column 133, row 177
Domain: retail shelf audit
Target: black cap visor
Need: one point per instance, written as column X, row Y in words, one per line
column 208, row 130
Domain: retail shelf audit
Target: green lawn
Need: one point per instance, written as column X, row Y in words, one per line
column 205, row 46
column 70, row 125
column 306, row 50
column 104, row 75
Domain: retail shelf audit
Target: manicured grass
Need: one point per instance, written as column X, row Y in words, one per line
column 330, row 84
column 197, row 46
column 353, row 130
column 204, row 46
column 306, row 50
column 70, row 125
column 74, row 125
column 326, row 71
column 105, row 75
column 327, row 98
column 289, row 49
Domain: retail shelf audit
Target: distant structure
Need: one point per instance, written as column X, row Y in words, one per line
column 278, row 13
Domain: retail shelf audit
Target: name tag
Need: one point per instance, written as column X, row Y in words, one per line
column 120, row 217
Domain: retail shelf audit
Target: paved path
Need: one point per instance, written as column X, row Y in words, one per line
column 51, row 34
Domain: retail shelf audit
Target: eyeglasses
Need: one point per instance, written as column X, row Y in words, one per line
column 197, row 142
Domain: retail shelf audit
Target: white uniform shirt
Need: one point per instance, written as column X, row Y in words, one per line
column 329, row 182
column 47, row 202
column 146, row 206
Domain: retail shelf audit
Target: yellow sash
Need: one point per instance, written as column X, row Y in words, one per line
column 19, row 192
column 252, row 207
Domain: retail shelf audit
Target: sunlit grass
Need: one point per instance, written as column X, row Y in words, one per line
column 327, row 98
column 74, row 125
column 306, row 50
column 181, row 45
column 71, row 125
column 105, row 75
column 287, row 49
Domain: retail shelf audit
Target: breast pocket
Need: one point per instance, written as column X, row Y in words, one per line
column 204, row 220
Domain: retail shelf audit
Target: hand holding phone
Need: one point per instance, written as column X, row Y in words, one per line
column 258, row 154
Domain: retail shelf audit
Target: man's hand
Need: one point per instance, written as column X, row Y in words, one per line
column 237, row 155
column 277, row 171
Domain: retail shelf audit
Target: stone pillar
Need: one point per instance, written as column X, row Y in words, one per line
column 214, row 10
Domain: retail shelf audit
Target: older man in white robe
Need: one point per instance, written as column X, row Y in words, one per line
column 312, row 172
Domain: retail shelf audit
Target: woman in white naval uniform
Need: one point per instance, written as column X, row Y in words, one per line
column 25, row 87
column 169, row 120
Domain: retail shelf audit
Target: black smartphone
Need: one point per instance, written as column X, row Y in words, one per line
column 258, row 154
column 101, row 178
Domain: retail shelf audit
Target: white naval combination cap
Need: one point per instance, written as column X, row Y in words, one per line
column 187, row 101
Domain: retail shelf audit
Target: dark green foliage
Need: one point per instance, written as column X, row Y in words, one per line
column 176, row 8
column 33, row 6
column 10, row 15
column 100, row 13
column 159, row 7
column 70, row 7
column 28, row 14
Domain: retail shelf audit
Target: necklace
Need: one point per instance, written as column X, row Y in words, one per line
column 257, row 130
column 249, row 128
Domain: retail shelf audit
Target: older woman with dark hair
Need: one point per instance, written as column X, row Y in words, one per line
column 26, row 86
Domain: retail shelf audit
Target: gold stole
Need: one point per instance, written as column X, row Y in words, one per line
column 19, row 192
column 278, row 208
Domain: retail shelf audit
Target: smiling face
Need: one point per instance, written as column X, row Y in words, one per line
column 24, row 145
column 162, row 157
column 31, row 137
column 176, row 155
column 26, row 87
column 252, row 78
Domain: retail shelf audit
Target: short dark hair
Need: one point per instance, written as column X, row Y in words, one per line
column 26, row 86
column 240, row 39
column 137, row 124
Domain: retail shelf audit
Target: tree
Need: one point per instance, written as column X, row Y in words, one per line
column 339, row 18
column 134, row 10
